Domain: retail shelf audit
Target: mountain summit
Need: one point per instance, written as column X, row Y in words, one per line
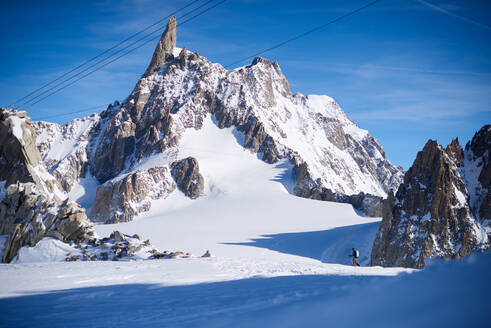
column 165, row 46
column 140, row 139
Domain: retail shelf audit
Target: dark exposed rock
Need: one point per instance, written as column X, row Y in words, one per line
column 429, row 216
column 369, row 204
column 455, row 152
column 187, row 177
column 122, row 200
column 109, row 159
column 477, row 164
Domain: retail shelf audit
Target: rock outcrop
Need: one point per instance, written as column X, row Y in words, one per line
column 31, row 204
column 187, row 177
column 27, row 216
column 116, row 247
column 121, row 200
column 165, row 46
column 430, row 214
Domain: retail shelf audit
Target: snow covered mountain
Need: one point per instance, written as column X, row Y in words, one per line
column 442, row 207
column 131, row 150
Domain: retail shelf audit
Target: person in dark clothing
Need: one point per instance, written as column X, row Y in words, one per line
column 355, row 254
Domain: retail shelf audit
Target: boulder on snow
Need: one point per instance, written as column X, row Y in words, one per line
column 187, row 177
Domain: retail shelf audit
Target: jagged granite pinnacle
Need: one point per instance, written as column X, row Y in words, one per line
column 430, row 215
column 164, row 47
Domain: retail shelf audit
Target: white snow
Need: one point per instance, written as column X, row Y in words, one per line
column 245, row 199
column 68, row 138
column 83, row 191
column 46, row 250
column 224, row 293
column 462, row 201
column 16, row 124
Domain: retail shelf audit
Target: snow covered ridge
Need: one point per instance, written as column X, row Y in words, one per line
column 181, row 90
column 442, row 207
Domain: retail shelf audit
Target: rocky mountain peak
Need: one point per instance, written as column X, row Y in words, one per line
column 165, row 46
column 181, row 91
column 455, row 152
column 430, row 214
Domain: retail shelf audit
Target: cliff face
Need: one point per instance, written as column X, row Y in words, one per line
column 181, row 89
column 120, row 201
column 477, row 174
column 431, row 214
column 32, row 206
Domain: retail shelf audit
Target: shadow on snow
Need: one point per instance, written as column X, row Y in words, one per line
column 329, row 246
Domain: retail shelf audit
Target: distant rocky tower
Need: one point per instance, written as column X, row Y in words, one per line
column 433, row 213
column 165, row 46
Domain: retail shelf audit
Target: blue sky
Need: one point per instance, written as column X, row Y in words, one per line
column 405, row 70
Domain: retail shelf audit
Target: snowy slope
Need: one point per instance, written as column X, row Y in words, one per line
column 245, row 198
column 199, row 293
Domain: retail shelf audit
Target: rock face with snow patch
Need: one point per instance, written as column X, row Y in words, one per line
column 121, row 200
column 64, row 148
column 32, row 206
column 430, row 214
column 180, row 90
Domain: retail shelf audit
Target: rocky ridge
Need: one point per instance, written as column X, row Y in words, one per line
column 33, row 206
column 181, row 89
column 432, row 214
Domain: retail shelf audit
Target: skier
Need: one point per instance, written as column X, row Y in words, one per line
column 355, row 254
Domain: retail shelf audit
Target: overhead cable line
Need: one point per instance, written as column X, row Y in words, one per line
column 103, row 53
column 124, row 54
column 238, row 61
column 158, row 30
column 103, row 60
column 75, row 112
column 315, row 29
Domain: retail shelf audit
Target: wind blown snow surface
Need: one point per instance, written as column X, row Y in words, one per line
column 452, row 294
column 278, row 261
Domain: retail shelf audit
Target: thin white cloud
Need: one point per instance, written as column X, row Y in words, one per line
column 454, row 15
